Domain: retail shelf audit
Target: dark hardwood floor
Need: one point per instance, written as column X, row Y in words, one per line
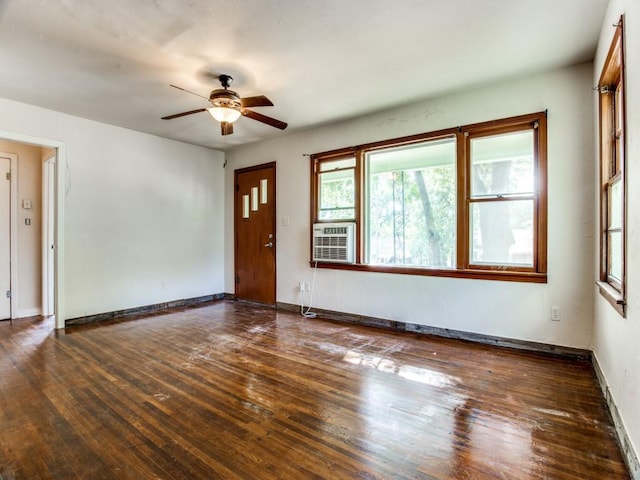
column 232, row 391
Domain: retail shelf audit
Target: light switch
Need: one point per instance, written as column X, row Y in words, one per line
column 27, row 221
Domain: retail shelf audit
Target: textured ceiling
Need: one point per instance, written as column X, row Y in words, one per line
column 318, row 61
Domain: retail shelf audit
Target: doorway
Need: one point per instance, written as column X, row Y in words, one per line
column 53, row 188
column 255, row 229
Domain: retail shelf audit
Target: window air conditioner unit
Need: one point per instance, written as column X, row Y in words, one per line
column 334, row 242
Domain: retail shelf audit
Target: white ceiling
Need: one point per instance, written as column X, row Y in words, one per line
column 319, row 61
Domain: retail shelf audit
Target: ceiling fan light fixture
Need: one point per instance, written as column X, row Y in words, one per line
column 227, row 106
column 224, row 114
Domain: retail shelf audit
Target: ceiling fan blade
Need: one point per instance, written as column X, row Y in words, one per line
column 226, row 128
column 259, row 101
column 190, row 112
column 189, row 91
column 264, row 119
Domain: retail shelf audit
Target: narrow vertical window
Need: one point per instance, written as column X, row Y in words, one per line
column 264, row 192
column 336, row 187
column 245, row 206
column 254, row 199
column 612, row 174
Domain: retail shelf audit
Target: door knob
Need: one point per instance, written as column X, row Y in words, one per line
column 270, row 244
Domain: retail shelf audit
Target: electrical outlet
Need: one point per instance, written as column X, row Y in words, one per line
column 307, row 287
column 302, row 286
column 555, row 314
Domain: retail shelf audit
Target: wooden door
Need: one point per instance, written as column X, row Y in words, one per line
column 255, row 234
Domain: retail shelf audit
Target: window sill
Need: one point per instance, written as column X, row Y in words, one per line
column 500, row 275
column 613, row 296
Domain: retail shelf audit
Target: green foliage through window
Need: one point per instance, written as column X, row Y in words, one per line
column 411, row 205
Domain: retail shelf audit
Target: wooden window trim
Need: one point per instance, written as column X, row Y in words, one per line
column 501, row 127
column 463, row 269
column 612, row 165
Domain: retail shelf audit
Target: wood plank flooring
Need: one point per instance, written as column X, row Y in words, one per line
column 230, row 391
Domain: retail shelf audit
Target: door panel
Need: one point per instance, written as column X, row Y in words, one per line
column 5, row 238
column 255, row 242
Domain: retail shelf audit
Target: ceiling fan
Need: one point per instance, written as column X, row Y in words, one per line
column 227, row 107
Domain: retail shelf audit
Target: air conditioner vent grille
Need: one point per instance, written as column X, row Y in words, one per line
column 334, row 242
column 330, row 241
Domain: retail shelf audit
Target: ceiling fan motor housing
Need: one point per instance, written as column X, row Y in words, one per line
column 225, row 99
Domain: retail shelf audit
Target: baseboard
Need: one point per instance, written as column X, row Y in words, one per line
column 396, row 326
column 145, row 309
column 626, row 447
column 348, row 318
column 630, row 456
column 29, row 312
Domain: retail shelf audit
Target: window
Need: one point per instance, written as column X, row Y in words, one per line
column 337, row 190
column 410, row 205
column 464, row 202
column 612, row 174
column 502, row 199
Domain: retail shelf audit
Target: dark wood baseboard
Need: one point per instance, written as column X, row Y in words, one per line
column 233, row 391
column 348, row 318
column 146, row 309
column 630, row 457
column 396, row 326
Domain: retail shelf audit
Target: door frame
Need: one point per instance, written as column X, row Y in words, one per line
column 236, row 214
column 13, row 231
column 61, row 190
column 13, row 242
column 48, row 234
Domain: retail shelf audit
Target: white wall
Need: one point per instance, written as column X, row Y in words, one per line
column 143, row 215
column 29, row 287
column 616, row 341
column 514, row 310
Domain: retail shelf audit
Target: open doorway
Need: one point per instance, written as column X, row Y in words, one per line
column 36, row 233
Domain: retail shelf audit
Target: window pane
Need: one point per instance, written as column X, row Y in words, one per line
column 502, row 233
column 411, row 209
column 336, row 164
column 615, row 205
column 615, row 255
column 619, row 133
column 502, row 164
column 337, row 195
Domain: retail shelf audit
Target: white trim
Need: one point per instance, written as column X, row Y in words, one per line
column 61, row 193
column 48, row 215
column 13, row 243
column 14, row 234
column 13, row 227
column 61, row 182
column 29, row 312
